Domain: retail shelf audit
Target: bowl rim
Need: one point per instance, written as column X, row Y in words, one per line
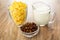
column 31, row 32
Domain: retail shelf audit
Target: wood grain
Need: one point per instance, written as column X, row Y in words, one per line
column 9, row 31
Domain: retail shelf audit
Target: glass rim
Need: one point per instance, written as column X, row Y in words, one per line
column 49, row 9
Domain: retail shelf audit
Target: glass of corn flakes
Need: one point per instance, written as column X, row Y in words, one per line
column 18, row 12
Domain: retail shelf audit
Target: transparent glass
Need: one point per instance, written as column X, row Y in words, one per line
column 42, row 13
column 20, row 17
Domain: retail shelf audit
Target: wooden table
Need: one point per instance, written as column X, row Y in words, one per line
column 9, row 31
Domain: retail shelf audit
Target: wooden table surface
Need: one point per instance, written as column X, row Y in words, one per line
column 9, row 31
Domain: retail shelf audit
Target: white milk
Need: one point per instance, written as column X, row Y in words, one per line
column 41, row 14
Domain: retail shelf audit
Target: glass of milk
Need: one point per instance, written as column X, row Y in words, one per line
column 41, row 13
